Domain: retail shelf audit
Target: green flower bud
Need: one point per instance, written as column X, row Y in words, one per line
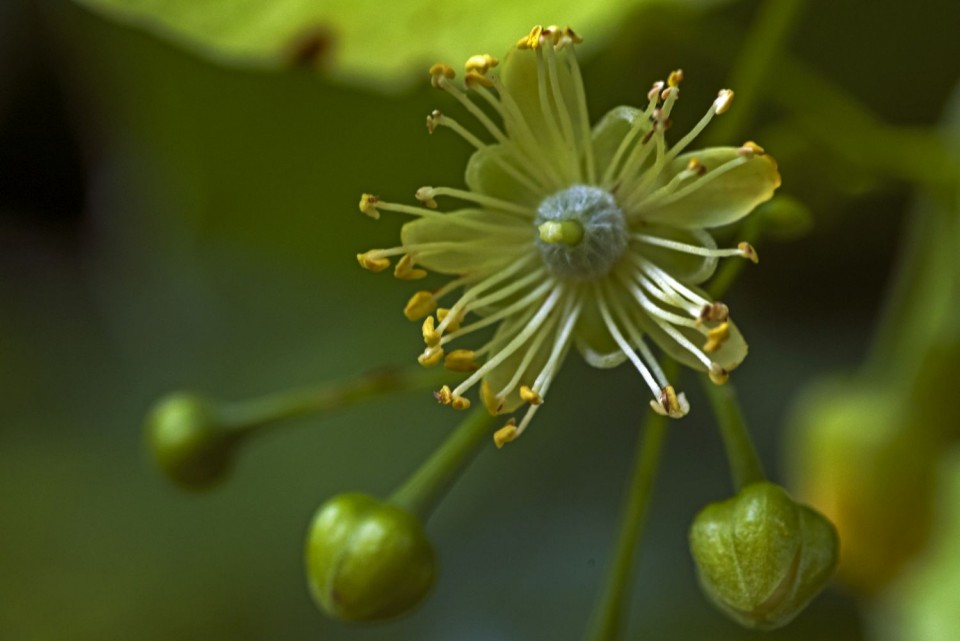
column 188, row 440
column 761, row 557
column 367, row 560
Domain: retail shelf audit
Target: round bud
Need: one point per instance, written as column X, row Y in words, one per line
column 367, row 560
column 761, row 557
column 188, row 441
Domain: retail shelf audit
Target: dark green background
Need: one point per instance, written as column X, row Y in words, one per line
column 166, row 222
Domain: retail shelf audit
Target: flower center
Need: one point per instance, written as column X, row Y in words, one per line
column 582, row 232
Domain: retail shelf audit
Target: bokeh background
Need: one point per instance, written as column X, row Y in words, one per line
column 180, row 214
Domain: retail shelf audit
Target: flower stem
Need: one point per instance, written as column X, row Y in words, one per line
column 268, row 411
column 608, row 613
column 422, row 492
column 758, row 56
column 745, row 467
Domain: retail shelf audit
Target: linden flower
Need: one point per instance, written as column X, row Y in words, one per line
column 572, row 236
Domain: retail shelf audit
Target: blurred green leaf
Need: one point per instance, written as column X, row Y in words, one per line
column 384, row 43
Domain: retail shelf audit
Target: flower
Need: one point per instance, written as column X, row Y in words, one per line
column 572, row 236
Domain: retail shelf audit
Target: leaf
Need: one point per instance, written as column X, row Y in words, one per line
column 381, row 43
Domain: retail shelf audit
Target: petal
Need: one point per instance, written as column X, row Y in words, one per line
column 610, row 132
column 593, row 339
column 487, row 173
column 688, row 268
column 718, row 197
column 472, row 250
column 519, row 76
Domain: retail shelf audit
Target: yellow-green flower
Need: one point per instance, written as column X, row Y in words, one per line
column 571, row 235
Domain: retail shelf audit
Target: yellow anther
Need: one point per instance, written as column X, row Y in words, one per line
column 420, row 304
column 368, row 205
column 431, row 356
column 406, row 271
column 443, row 395
column 669, row 91
column 724, row 98
column 460, row 403
column 696, row 167
column 572, row 35
column 716, row 337
column 425, row 196
column 454, row 323
column 717, row 374
column 439, row 73
column 372, row 262
column 461, row 360
column 531, row 40
column 670, row 403
column 430, row 335
column 675, row 78
column 505, row 434
column 551, row 34
column 748, row 252
column 530, row 396
column 477, row 79
column 481, row 63
column 494, row 404
column 714, row 312
column 433, row 120
column 750, row 149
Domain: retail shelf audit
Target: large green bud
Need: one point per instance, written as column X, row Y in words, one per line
column 367, row 560
column 761, row 557
column 189, row 441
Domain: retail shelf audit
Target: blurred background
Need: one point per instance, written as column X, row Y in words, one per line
column 178, row 188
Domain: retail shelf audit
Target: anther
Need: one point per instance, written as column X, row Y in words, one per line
column 476, row 79
column 420, row 304
column 750, row 149
column 530, row 396
column 748, row 252
column 655, row 90
column 670, row 403
column 714, row 312
column 572, row 35
column 460, row 403
column 425, row 196
column 454, row 323
column 368, row 205
column 372, row 263
column 716, row 337
column 675, row 78
column 505, row 434
column 531, row 40
column 406, row 271
column 717, row 374
column 431, row 356
column 481, row 63
column 724, row 98
column 430, row 335
column 433, row 120
column 696, row 167
column 440, row 73
column 443, row 395
column 493, row 403
column 551, row 34
column 461, row 360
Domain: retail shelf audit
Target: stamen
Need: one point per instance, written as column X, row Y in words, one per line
column 716, row 311
column 531, row 40
column 373, row 261
column 669, row 403
column 586, row 144
column 716, row 337
column 505, row 434
column 553, row 126
column 426, row 195
column 406, row 271
column 717, row 374
column 461, row 360
column 561, row 107
column 464, row 304
column 747, row 251
column 623, row 344
column 430, row 356
column 530, row 396
column 368, row 205
column 696, row 250
column 430, row 335
column 720, row 105
column 420, row 304
column 441, row 70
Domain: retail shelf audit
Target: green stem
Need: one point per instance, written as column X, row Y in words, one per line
column 608, row 613
column 759, row 55
column 268, row 411
column 422, row 492
column 745, row 467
